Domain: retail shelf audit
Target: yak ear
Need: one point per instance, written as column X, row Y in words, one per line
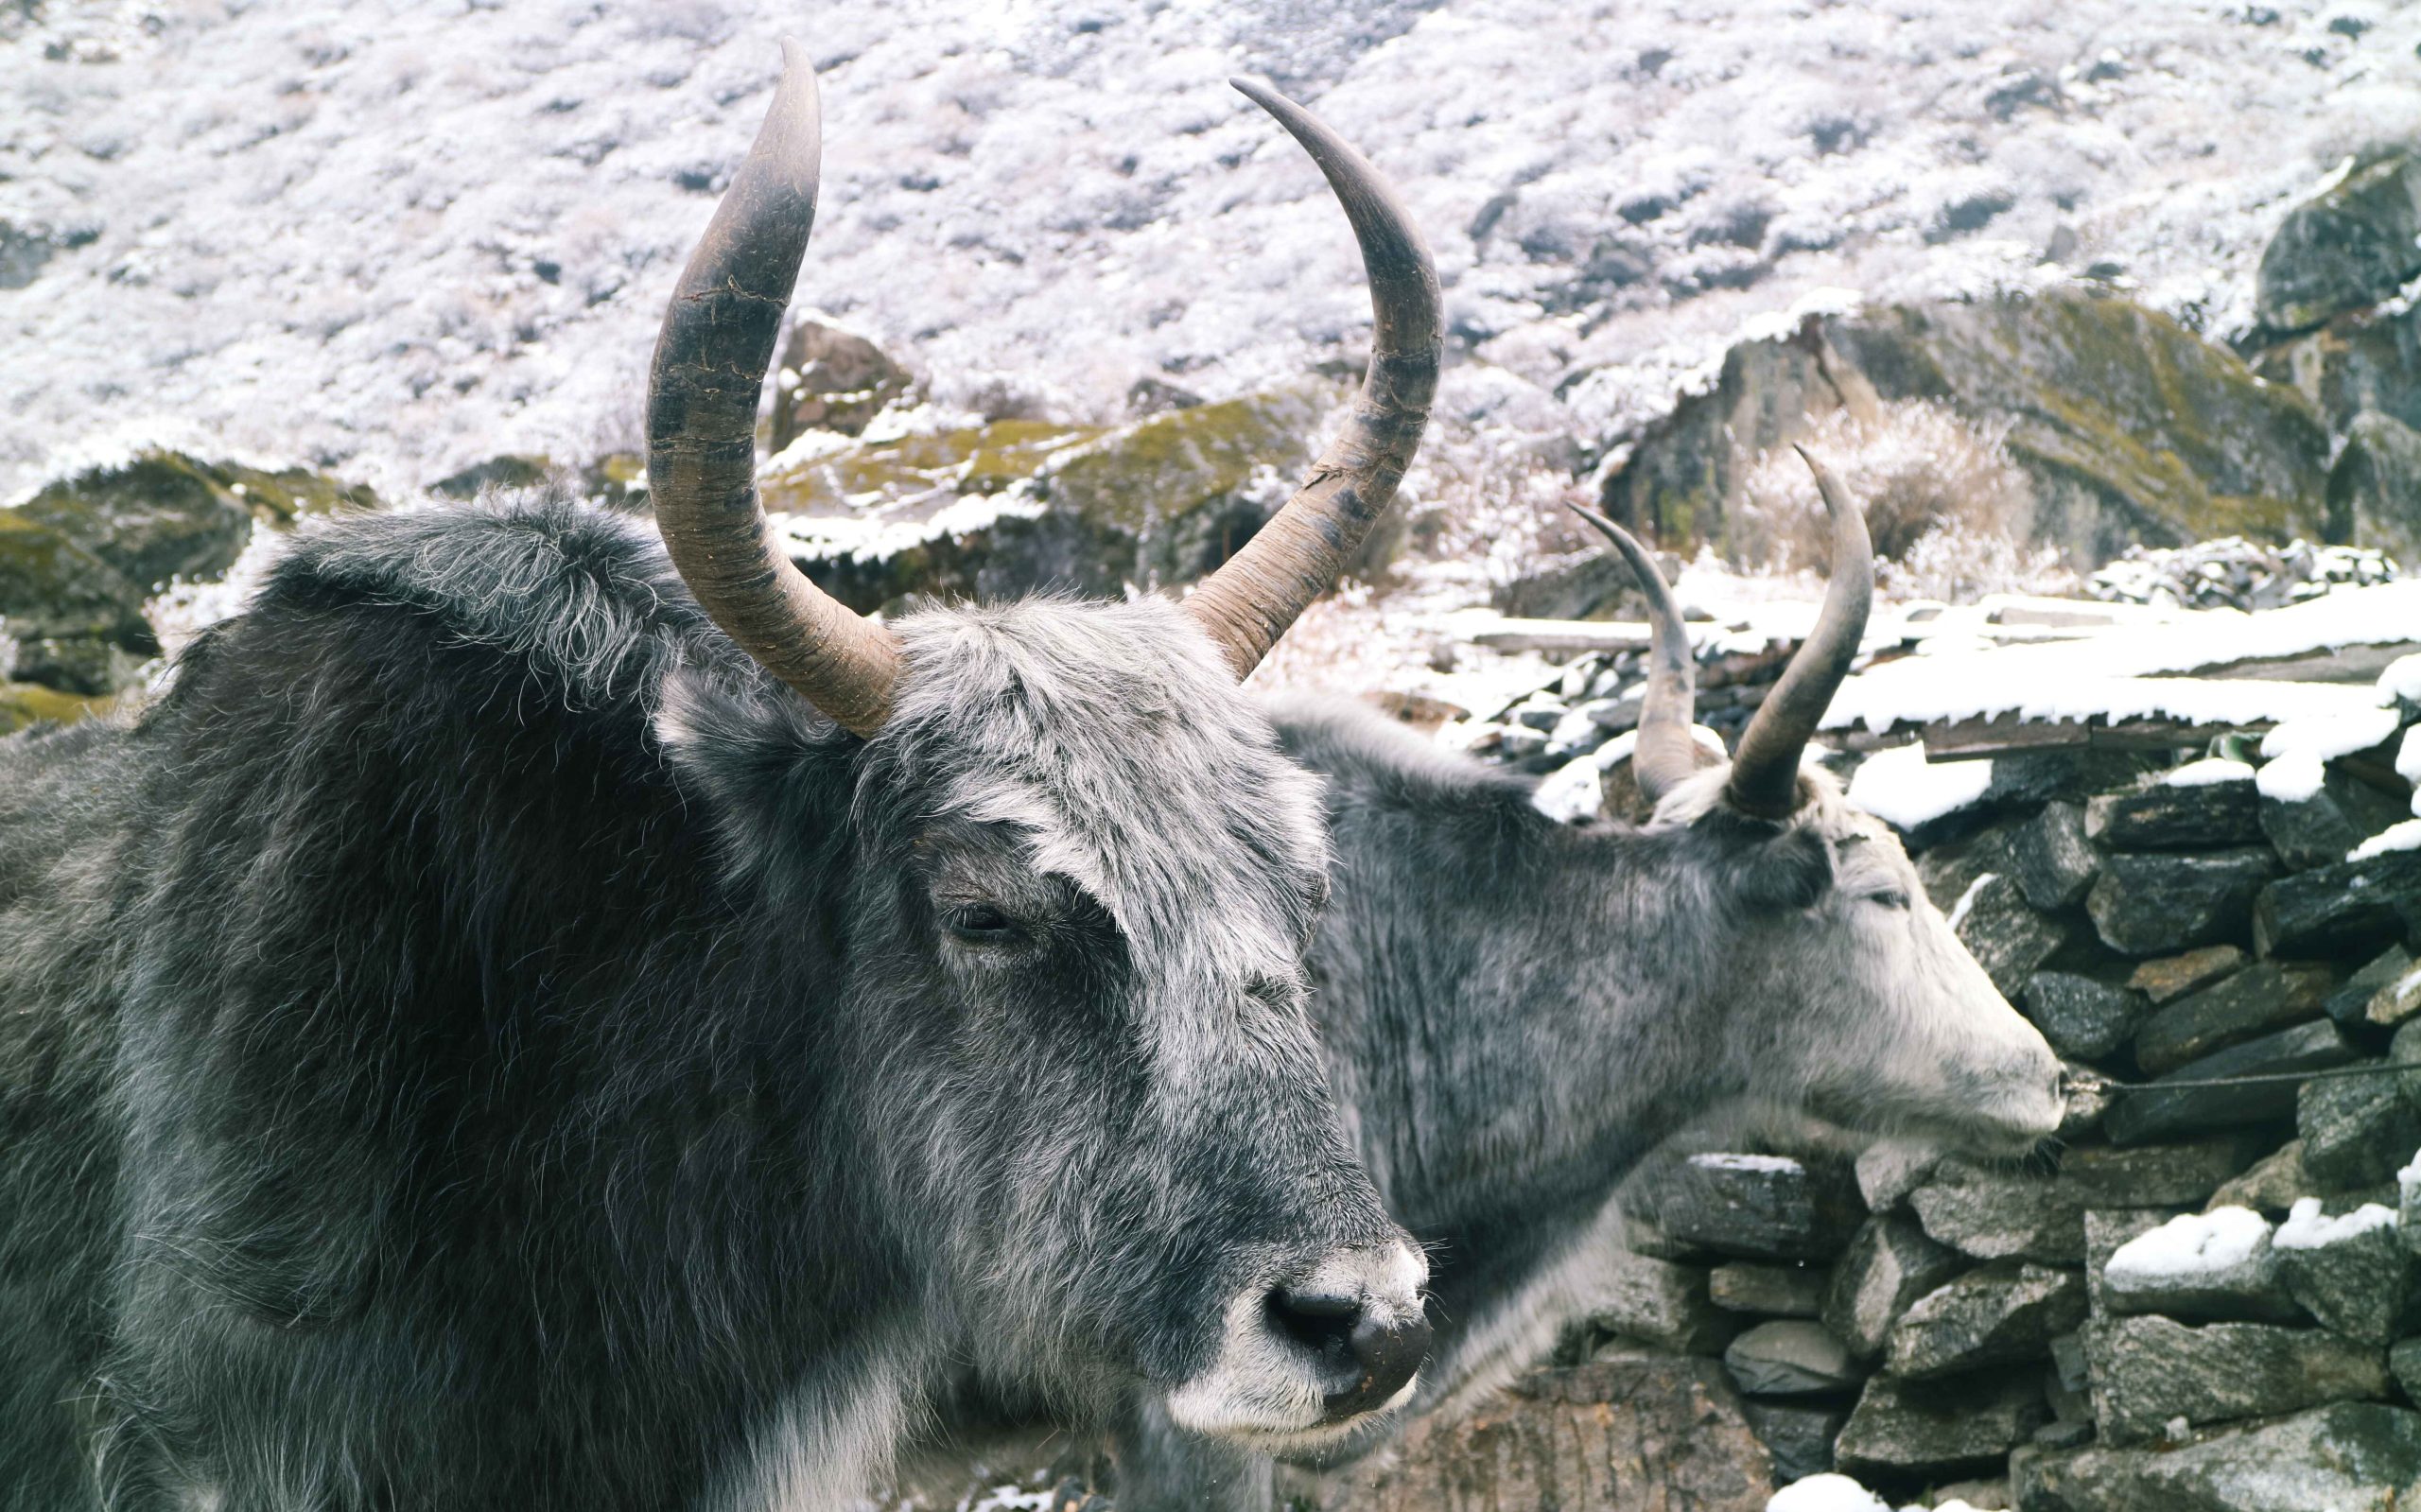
column 1791, row 870
column 762, row 763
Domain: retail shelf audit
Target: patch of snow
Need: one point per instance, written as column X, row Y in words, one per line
column 1904, row 790
column 2305, row 1228
column 2293, row 778
column 1967, row 899
column 1570, row 792
column 1773, row 1165
column 870, row 539
column 2405, row 836
column 1827, row 1493
column 2190, row 1247
column 1616, row 750
column 2407, row 756
column 2208, row 772
column 2408, row 1181
column 2331, row 734
column 2402, row 680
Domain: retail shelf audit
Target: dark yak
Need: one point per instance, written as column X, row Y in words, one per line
column 528, row 1023
column 1514, row 1011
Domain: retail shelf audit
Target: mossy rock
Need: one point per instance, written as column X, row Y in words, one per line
column 511, row 470
column 27, row 703
column 52, row 586
column 165, row 515
column 2351, row 246
column 1078, row 508
column 2130, row 427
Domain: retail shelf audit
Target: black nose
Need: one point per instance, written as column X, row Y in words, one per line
column 1361, row 1355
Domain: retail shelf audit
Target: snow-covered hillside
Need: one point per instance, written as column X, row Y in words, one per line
column 397, row 239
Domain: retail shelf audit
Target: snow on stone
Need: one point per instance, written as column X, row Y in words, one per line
column 2209, row 772
column 2190, row 1247
column 1763, row 1164
column 2293, row 778
column 1967, row 899
column 2402, row 678
column 1827, row 1493
column 1904, row 790
column 2408, row 1181
column 2405, row 836
column 1570, row 792
column 2146, row 670
column 398, row 239
column 2305, row 1228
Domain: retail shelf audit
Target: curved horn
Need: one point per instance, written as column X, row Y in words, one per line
column 1251, row 601
column 1664, row 751
column 1765, row 768
column 710, row 361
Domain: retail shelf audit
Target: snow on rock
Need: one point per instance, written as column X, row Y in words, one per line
column 2408, row 758
column 1827, row 1493
column 400, row 239
column 2190, row 1247
column 2402, row 678
column 2305, row 1228
column 2405, row 836
column 1904, row 790
column 2293, row 778
column 2207, row 771
column 1572, row 792
column 1773, row 1165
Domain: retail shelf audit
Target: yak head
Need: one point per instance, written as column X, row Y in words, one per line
column 1092, row 1123
column 1844, row 992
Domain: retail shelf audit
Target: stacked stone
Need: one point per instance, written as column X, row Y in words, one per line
column 1921, row 1321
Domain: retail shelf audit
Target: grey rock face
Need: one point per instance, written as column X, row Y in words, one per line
column 2372, row 489
column 2359, row 1280
column 2351, row 1002
column 2009, row 938
column 2357, row 1130
column 1889, row 1170
column 2271, row 1185
column 2080, row 1016
column 2350, row 908
column 1938, row 1427
column 2318, row 831
column 1661, row 1303
column 1791, row 1357
column 2049, row 858
column 2346, row 1457
column 2264, row 995
column 2351, row 247
column 2157, row 903
column 1798, row 1438
column 1889, row 1264
column 1997, row 1215
column 2156, row 1112
column 1758, row 1207
column 2162, row 817
column 2005, row 1313
column 2150, row 1370
column 1772, row 1290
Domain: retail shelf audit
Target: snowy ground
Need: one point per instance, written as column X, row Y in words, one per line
column 397, row 239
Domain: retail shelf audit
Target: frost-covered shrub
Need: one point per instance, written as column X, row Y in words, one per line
column 1946, row 507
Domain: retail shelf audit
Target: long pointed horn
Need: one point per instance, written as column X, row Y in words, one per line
column 1664, row 751
column 1251, row 601
column 1765, row 768
column 710, row 361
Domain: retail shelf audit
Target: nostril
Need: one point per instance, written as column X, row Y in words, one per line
column 1321, row 1322
column 1362, row 1356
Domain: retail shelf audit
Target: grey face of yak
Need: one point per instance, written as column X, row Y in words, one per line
column 1083, row 880
column 1846, row 992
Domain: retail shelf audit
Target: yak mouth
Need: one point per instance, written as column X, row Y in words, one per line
column 1320, row 1441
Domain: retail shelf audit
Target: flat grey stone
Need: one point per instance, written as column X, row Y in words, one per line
column 2237, row 1280
column 2007, row 937
column 2265, row 996
column 2349, row 1002
column 1889, row 1170
column 2163, row 816
column 2320, row 830
column 2341, row 912
column 1791, row 1357
column 2148, row 1371
column 2168, row 978
column 1660, row 1302
column 2003, row 1314
column 2343, row 1457
column 2080, row 1016
column 2049, row 858
column 1758, row 1207
column 2352, row 1273
column 1999, row 1215
column 2159, row 903
column 1771, row 1290
column 1798, row 1438
column 1888, row 1264
column 2357, row 1130
column 1938, row 1427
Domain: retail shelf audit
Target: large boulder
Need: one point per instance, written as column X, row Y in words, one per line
column 2367, row 360
column 2352, row 245
column 2344, row 1457
column 1630, row 1434
column 2129, row 426
column 833, row 379
column 1020, row 505
column 2375, row 488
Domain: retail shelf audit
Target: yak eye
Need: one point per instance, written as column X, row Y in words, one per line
column 980, row 923
column 1891, row 899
